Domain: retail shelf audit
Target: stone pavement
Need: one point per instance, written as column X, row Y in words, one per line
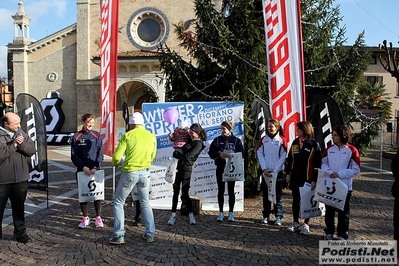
column 58, row 241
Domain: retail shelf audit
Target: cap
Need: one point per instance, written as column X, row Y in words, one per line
column 136, row 119
column 184, row 125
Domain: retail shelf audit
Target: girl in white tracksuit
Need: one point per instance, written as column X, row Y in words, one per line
column 272, row 151
column 342, row 160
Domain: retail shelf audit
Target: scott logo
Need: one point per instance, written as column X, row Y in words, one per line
column 91, row 185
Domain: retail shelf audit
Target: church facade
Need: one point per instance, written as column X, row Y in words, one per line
column 66, row 64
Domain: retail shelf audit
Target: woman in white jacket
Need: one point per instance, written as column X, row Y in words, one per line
column 272, row 151
column 341, row 160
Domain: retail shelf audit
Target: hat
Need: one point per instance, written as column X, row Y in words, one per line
column 136, row 119
column 183, row 125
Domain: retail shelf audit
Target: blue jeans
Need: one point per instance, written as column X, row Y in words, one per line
column 127, row 181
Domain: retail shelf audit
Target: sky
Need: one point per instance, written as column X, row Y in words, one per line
column 378, row 19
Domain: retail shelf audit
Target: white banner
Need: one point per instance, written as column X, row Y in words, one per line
column 285, row 63
column 91, row 187
column 203, row 179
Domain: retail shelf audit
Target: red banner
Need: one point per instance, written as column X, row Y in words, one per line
column 285, row 63
column 109, row 72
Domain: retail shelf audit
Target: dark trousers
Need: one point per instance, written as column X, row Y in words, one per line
column 221, row 188
column 184, row 178
column 278, row 207
column 343, row 219
column 396, row 219
column 16, row 192
column 296, row 203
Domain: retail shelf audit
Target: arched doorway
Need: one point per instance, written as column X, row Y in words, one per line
column 134, row 93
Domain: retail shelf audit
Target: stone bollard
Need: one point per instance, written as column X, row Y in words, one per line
column 197, row 204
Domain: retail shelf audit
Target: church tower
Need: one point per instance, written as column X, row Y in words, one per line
column 18, row 51
column 21, row 26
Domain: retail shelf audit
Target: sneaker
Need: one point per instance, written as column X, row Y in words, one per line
column 341, row 239
column 192, row 219
column 172, row 220
column 220, row 217
column 231, row 217
column 278, row 221
column 329, row 237
column 293, row 227
column 265, row 220
column 85, row 222
column 117, row 240
column 23, row 239
column 304, row 229
column 99, row 222
column 148, row 239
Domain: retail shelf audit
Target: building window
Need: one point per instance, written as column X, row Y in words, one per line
column 374, row 79
column 148, row 28
column 373, row 60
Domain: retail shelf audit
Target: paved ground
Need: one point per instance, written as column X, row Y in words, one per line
column 57, row 241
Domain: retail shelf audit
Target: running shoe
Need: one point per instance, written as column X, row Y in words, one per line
column 231, row 217
column 192, row 219
column 304, row 229
column 148, row 239
column 99, row 222
column 293, row 227
column 85, row 222
column 117, row 240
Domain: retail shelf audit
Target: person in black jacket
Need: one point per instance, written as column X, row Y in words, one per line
column 303, row 162
column 16, row 148
column 191, row 150
column 220, row 149
column 395, row 194
column 87, row 155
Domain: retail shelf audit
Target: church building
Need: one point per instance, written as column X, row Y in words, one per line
column 66, row 64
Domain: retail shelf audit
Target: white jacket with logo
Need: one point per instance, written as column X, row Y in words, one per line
column 344, row 160
column 272, row 153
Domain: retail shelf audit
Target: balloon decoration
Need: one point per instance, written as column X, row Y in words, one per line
column 170, row 115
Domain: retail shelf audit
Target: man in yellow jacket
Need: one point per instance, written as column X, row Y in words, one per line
column 139, row 146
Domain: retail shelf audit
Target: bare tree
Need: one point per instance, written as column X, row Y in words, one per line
column 391, row 61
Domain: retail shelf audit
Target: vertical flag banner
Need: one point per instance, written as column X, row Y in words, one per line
column 324, row 114
column 108, row 73
column 285, row 63
column 33, row 122
column 203, row 178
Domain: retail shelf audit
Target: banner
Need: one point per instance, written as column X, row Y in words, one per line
column 34, row 124
column 285, row 63
column 325, row 114
column 108, row 73
column 203, row 179
column 260, row 112
column 55, row 119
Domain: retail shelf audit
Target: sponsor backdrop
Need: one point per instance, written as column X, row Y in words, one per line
column 203, row 180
